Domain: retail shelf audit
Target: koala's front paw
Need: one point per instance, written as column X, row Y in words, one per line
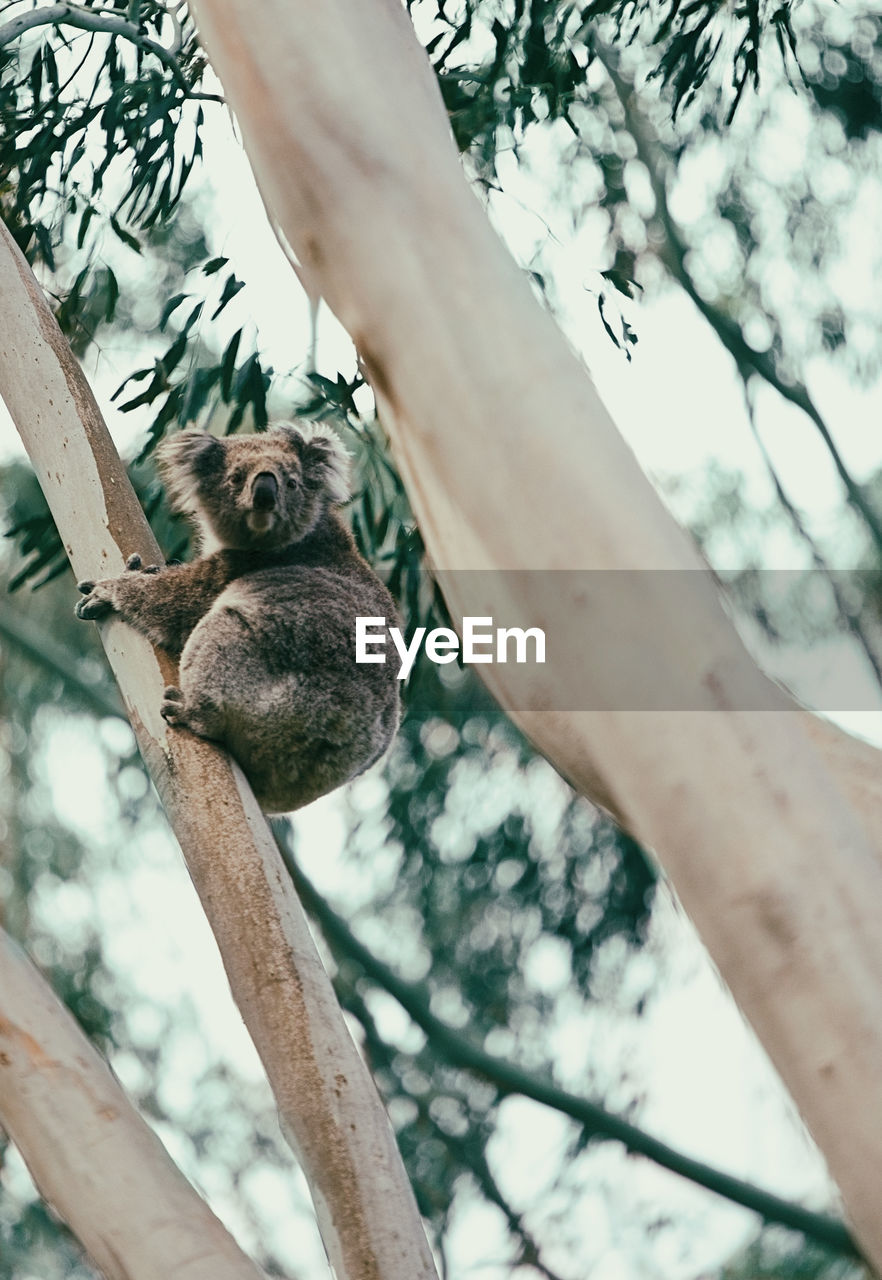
column 172, row 707
column 97, row 601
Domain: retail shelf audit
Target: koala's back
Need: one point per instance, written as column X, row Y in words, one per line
column 270, row 671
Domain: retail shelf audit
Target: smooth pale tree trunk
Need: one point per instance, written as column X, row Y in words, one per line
column 511, row 462
column 90, row 1153
column 329, row 1107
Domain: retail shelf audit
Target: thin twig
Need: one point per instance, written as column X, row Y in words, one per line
column 108, row 21
column 851, row 616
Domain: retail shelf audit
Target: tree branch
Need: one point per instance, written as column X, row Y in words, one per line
column 727, row 330
column 91, row 1155
column 852, row 616
column 108, row 21
column 509, row 1078
column 111, row 23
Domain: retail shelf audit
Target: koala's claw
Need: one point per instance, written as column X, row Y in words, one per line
column 136, row 564
column 172, row 706
column 92, row 607
column 97, row 601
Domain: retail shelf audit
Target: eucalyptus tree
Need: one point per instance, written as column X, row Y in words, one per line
column 104, row 111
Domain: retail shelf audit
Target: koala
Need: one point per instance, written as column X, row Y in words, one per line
column 263, row 620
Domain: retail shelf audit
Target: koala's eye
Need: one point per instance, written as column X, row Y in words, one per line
column 237, row 475
column 292, row 482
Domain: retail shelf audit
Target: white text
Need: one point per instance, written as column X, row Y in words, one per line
column 480, row 643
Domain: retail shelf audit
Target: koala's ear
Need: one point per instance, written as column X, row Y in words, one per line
column 324, row 458
column 183, row 460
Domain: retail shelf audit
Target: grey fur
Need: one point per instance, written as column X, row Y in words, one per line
column 263, row 620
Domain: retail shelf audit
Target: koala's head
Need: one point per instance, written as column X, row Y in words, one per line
column 255, row 492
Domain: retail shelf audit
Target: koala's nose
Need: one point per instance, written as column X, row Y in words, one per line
column 265, row 492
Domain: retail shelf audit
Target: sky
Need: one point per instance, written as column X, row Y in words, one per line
column 706, row 1086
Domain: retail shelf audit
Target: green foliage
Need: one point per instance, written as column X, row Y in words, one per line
column 75, row 147
column 187, row 383
column 675, row 78
column 536, row 68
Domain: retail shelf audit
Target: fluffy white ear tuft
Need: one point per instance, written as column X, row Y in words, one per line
column 326, row 460
column 183, row 460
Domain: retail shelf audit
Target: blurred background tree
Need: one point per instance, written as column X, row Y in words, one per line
column 730, row 153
